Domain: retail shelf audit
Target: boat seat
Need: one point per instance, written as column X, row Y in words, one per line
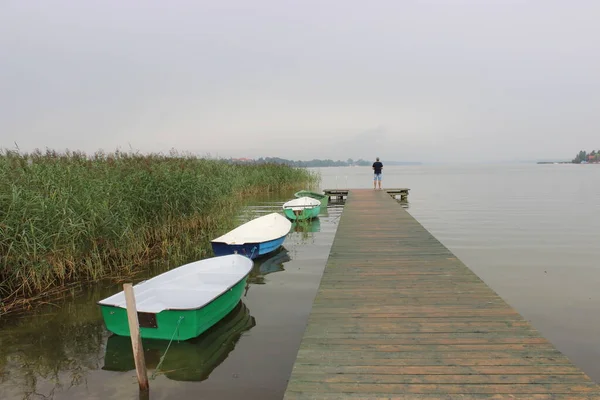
column 209, row 279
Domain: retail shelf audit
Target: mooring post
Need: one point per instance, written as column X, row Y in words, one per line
column 136, row 340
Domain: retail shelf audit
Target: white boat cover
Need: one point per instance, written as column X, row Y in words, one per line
column 301, row 203
column 188, row 287
column 262, row 229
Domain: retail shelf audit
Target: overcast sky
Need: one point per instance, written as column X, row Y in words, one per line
column 444, row 80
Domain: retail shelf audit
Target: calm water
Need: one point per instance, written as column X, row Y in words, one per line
column 532, row 232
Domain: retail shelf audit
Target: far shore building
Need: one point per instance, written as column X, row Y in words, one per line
column 242, row 160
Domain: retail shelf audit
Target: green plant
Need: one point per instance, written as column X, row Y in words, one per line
column 72, row 217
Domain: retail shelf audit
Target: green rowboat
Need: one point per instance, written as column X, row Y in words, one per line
column 302, row 208
column 184, row 302
column 190, row 360
column 323, row 198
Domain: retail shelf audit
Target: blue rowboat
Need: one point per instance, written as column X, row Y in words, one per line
column 255, row 238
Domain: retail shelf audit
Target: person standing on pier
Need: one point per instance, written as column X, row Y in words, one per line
column 377, row 168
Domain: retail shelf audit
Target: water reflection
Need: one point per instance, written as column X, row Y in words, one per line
column 313, row 225
column 266, row 266
column 190, row 360
column 47, row 345
column 403, row 203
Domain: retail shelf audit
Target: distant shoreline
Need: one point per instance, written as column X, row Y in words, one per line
column 555, row 162
column 316, row 163
column 567, row 162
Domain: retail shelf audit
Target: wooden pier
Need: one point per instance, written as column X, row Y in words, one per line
column 342, row 194
column 398, row 316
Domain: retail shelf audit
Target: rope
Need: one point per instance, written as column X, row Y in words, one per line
column 252, row 254
column 162, row 358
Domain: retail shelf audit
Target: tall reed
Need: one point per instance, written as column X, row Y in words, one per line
column 68, row 217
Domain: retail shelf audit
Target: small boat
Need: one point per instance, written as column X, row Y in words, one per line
column 190, row 360
column 255, row 238
column 302, row 208
column 323, row 198
column 183, row 302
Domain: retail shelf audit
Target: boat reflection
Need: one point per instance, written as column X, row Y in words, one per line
column 190, row 360
column 268, row 266
column 313, row 225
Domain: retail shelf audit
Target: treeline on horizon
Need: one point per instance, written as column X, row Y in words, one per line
column 583, row 156
column 318, row 163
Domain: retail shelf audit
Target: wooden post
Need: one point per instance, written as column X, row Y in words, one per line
column 136, row 340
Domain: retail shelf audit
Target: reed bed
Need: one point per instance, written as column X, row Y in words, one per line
column 71, row 217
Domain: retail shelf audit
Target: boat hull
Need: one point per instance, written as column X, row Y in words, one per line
column 190, row 360
column 251, row 250
column 303, row 214
column 323, row 198
column 177, row 324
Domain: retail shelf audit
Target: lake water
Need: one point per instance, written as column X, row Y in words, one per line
column 531, row 232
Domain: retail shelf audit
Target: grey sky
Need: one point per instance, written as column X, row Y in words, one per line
column 406, row 80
